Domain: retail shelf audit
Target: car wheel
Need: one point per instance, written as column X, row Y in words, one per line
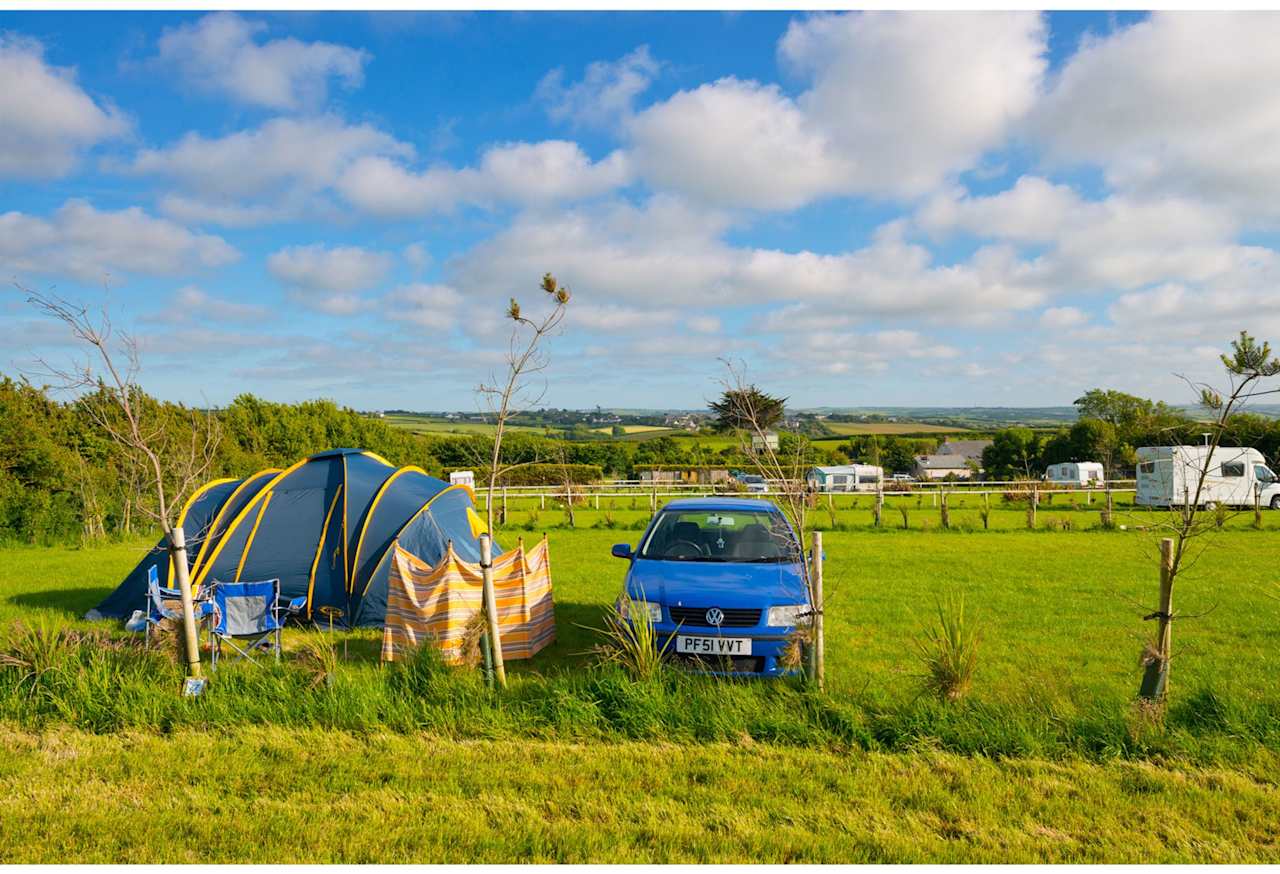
column 1275, row 503
column 1210, row 506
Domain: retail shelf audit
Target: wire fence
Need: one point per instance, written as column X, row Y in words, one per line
column 593, row 492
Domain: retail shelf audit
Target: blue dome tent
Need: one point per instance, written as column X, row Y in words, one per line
column 325, row 527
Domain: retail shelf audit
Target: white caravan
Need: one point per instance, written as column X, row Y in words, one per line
column 846, row 478
column 1167, row 477
column 1077, row 473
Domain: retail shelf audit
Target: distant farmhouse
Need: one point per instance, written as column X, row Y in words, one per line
column 682, row 421
column 761, row 442
column 957, row 459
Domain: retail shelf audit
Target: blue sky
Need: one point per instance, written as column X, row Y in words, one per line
column 866, row 209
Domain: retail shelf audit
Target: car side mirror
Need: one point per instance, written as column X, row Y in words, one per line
column 622, row 550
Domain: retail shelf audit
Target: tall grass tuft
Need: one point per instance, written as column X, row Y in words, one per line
column 906, row 516
column 34, row 652
column 949, row 650
column 318, row 658
column 630, row 640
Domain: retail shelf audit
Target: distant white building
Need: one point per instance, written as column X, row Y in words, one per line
column 935, row 467
column 846, row 478
column 463, row 478
column 769, row 440
column 970, row 450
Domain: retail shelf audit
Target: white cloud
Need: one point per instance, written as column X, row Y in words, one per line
column 1119, row 242
column 84, row 243
column 736, row 143
column 424, row 305
column 1181, row 103
column 192, row 304
column 416, row 256
column 329, row 279
column 835, row 353
column 898, row 103
column 521, row 173
column 272, row 172
column 915, row 97
column 667, row 253
column 46, row 119
column 612, row 317
column 1061, row 318
column 606, row 93
column 221, row 54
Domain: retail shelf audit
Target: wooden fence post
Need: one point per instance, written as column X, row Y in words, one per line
column 986, row 511
column 542, row 501
column 491, row 607
column 1031, row 508
column 504, row 506
column 653, row 498
column 1107, row 519
column 819, row 640
column 946, row 513
column 878, row 511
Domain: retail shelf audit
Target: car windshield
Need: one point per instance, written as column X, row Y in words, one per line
column 721, row 536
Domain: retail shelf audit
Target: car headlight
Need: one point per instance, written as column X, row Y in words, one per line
column 654, row 610
column 788, row 614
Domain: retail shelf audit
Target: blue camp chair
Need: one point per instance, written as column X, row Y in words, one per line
column 155, row 610
column 250, row 613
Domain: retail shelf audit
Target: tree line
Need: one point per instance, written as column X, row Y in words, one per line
column 63, row 480
column 1110, row 428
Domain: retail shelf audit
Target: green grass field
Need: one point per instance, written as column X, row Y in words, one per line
column 1045, row 761
column 424, row 425
column 846, row 429
column 271, row 795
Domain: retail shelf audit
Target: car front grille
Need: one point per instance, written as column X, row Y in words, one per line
column 734, row 617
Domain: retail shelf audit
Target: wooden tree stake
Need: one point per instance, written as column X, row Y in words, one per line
column 178, row 545
column 491, row 607
column 816, row 596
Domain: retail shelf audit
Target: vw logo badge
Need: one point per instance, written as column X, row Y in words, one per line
column 715, row 616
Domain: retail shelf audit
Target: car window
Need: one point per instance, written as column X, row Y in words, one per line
column 721, row 536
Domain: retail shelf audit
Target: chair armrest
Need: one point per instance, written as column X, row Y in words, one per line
column 297, row 604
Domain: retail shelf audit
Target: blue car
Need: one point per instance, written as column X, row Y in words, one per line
column 723, row 582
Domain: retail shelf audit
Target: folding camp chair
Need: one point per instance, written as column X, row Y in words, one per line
column 252, row 614
column 156, row 610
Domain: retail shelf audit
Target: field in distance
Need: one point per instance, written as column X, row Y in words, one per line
column 846, row 429
column 427, row 425
column 632, row 429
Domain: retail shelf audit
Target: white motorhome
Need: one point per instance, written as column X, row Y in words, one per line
column 846, row 478
column 1167, row 477
column 1078, row 473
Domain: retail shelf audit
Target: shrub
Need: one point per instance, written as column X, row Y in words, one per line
column 551, row 474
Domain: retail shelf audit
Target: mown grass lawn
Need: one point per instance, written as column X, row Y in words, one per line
column 1045, row 761
column 264, row 794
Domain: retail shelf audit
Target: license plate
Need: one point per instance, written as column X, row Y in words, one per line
column 718, row 646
